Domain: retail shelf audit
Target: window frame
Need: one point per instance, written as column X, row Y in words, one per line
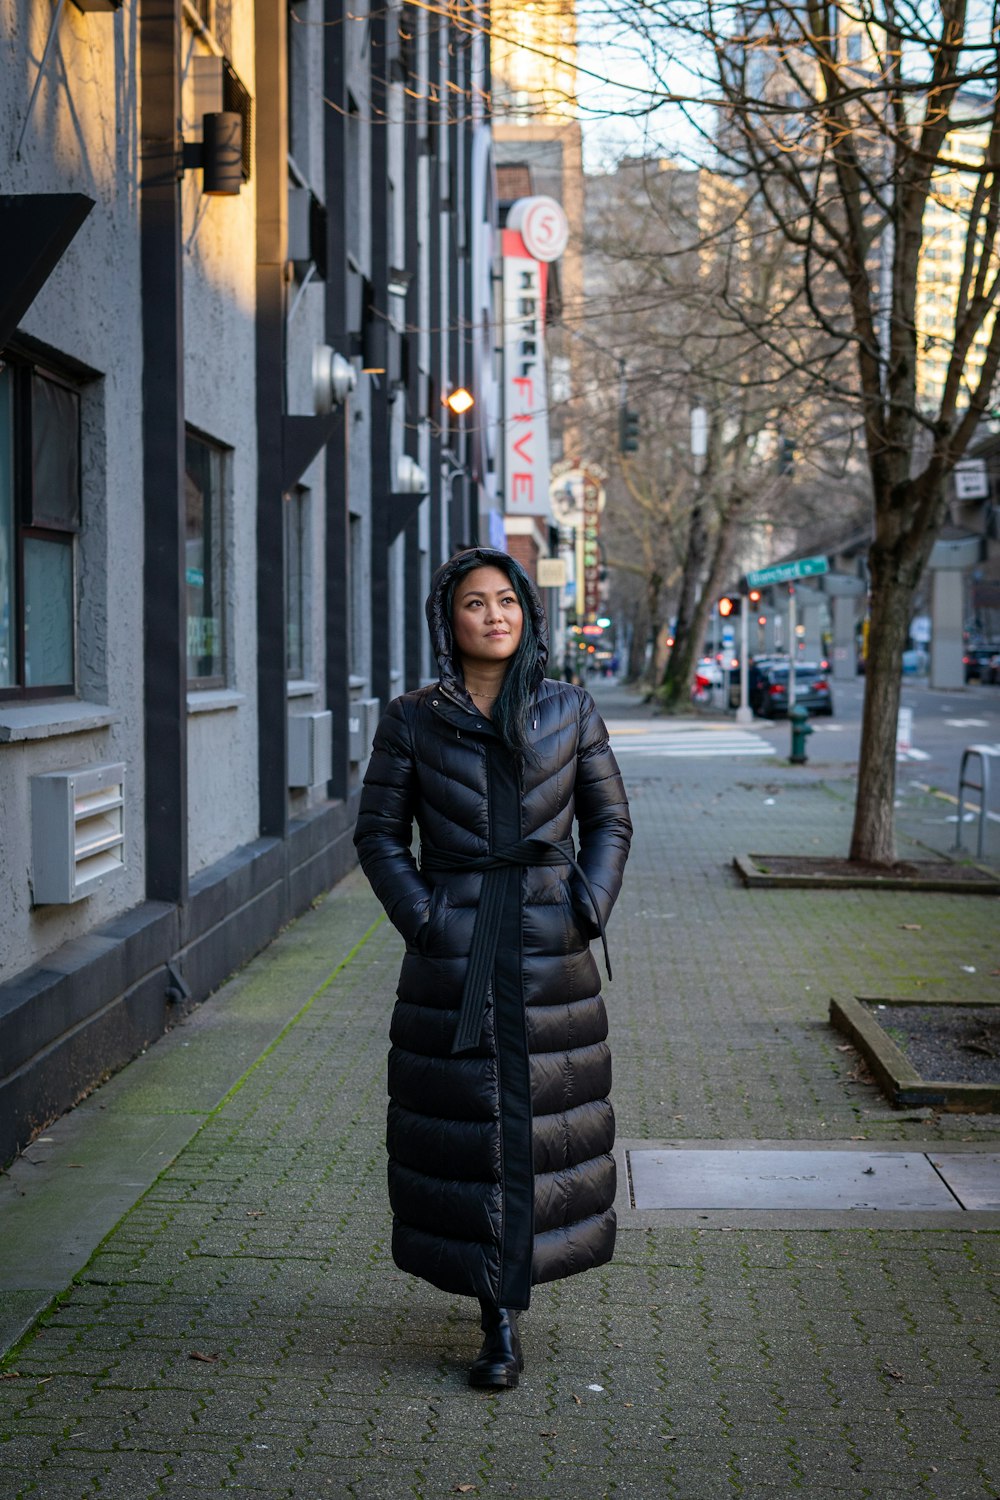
column 223, row 458
column 297, row 515
column 24, row 369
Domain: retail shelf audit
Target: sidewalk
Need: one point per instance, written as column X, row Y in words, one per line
column 213, row 1221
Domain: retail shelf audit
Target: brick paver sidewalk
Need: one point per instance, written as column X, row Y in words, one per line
column 242, row 1330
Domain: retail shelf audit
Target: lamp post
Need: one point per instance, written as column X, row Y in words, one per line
column 699, row 458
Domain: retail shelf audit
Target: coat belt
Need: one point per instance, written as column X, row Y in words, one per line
column 498, row 869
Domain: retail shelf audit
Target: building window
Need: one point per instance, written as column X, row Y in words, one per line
column 296, row 552
column 39, row 521
column 204, row 566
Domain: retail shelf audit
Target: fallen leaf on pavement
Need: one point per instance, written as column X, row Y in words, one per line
column 466, row 1489
column 548, row 1434
column 206, row 1359
column 893, row 1374
column 844, row 1047
column 11, row 1375
column 911, row 926
column 577, row 1400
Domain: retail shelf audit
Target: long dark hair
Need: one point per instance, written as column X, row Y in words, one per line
column 512, row 705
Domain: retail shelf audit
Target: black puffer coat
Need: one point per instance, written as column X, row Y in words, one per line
column 501, row 1170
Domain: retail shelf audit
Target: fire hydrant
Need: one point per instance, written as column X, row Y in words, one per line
column 801, row 729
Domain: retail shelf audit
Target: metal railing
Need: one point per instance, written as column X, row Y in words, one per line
column 982, row 755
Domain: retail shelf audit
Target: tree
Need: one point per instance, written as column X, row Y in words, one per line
column 664, row 271
column 853, row 126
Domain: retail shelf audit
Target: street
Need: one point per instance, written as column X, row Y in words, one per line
column 943, row 724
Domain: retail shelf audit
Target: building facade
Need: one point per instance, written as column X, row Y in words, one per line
column 246, row 247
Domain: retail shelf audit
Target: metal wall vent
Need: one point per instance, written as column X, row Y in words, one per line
column 237, row 99
column 77, row 832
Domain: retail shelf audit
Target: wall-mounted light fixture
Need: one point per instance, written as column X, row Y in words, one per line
column 399, row 281
column 219, row 153
column 333, row 379
column 459, row 401
column 410, row 477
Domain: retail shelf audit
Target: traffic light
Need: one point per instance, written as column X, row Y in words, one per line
column 628, row 430
column 729, row 606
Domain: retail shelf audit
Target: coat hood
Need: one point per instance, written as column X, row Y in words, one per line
column 438, row 617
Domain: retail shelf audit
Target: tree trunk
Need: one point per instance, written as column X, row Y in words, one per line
column 687, row 633
column 873, row 838
column 637, row 644
column 704, row 599
column 654, row 588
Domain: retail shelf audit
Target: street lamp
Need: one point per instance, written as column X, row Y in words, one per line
column 459, row 401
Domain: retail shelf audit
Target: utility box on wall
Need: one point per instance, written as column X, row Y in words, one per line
column 77, row 832
column 310, row 748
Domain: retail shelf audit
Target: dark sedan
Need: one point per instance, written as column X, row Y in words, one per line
column 769, row 695
column 982, row 663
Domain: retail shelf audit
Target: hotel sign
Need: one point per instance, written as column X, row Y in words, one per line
column 526, row 416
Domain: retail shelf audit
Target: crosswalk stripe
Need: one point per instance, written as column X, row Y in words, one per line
column 692, row 751
column 697, row 740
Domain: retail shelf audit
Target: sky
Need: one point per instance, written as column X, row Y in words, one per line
column 620, row 97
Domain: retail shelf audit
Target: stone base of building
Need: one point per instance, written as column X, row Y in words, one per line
column 93, row 1005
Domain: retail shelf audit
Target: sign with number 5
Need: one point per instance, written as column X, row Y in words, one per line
column 543, row 226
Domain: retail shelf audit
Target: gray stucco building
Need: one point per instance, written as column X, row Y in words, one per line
column 246, row 249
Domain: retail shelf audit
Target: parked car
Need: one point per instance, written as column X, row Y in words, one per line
column 982, row 663
column 709, row 674
column 769, row 695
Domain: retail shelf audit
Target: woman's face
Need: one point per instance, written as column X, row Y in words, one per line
column 486, row 618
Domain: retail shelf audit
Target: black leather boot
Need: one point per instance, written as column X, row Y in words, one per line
column 499, row 1361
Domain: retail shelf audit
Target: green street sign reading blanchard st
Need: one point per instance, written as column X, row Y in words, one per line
column 806, row 567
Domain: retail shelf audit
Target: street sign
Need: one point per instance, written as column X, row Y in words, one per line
column 971, row 480
column 551, row 572
column 806, row 567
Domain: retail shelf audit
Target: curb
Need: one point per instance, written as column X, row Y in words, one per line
column 897, row 1076
column 754, row 873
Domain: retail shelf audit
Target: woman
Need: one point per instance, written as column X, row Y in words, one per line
column 500, row 1133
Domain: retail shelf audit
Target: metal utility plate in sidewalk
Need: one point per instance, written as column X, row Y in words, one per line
column 817, row 1178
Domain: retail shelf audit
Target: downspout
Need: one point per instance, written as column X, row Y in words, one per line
column 270, row 44
column 164, row 599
